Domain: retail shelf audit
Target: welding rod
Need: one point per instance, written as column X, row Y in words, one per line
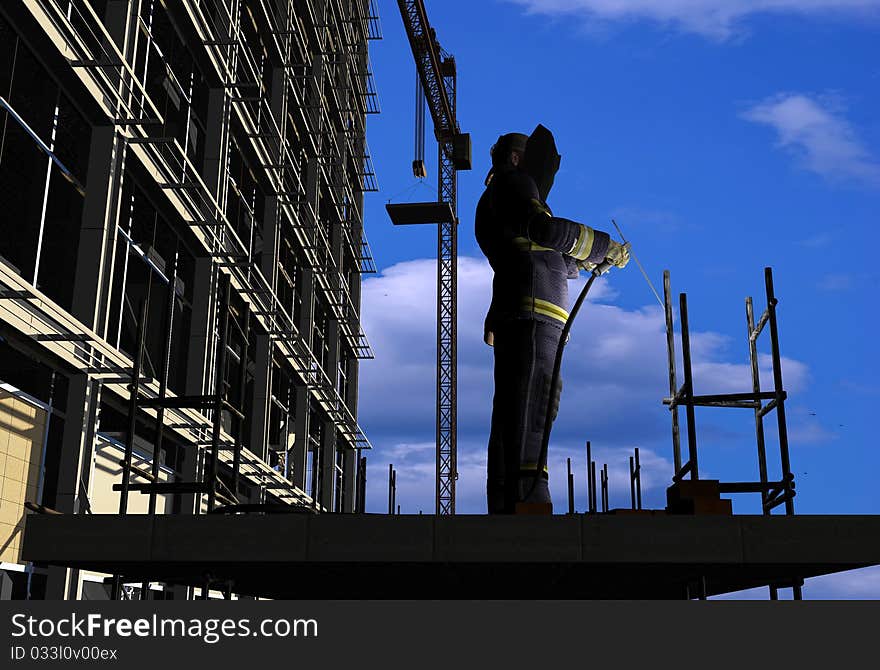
column 635, row 258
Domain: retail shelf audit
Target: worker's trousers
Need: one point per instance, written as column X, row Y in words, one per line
column 524, row 353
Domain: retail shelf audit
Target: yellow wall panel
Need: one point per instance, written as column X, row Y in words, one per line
column 9, row 543
column 10, row 513
column 23, row 408
column 108, row 472
column 22, row 428
column 15, row 468
column 13, row 491
column 18, row 422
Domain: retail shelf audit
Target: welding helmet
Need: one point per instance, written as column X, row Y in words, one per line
column 541, row 159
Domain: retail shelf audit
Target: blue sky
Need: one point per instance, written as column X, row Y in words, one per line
column 723, row 136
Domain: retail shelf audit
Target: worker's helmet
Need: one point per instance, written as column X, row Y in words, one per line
column 500, row 151
column 504, row 145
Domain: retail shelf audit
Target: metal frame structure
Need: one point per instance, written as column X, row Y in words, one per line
column 437, row 75
column 773, row 493
column 570, row 482
column 392, row 490
column 267, row 185
column 635, row 480
column 591, row 481
column 635, row 483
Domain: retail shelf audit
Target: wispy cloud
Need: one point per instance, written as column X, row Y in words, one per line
column 818, row 241
column 862, row 584
column 858, row 387
column 614, row 376
column 819, row 136
column 647, row 218
column 715, row 19
column 837, row 281
column 806, row 427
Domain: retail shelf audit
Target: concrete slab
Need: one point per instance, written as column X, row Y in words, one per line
column 662, row 539
column 810, row 539
column 517, row 539
column 79, row 535
column 424, row 556
column 261, row 538
column 369, row 538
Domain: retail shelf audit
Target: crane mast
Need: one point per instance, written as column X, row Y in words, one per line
column 437, row 73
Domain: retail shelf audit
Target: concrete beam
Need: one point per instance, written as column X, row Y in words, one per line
column 428, row 556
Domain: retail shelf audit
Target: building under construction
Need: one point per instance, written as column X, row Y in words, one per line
column 182, row 189
column 181, row 200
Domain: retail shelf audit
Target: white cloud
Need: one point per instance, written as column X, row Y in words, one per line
column 614, row 376
column 818, row 241
column 805, row 427
column 415, row 468
column 859, row 387
column 836, row 281
column 817, row 134
column 650, row 219
column 716, row 19
column 862, row 584
column 852, row 584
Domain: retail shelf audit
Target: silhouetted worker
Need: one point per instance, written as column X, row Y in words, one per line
column 533, row 254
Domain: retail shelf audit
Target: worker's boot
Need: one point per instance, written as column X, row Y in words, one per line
column 545, row 508
column 533, row 499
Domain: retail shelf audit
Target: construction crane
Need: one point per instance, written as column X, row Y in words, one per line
column 437, row 76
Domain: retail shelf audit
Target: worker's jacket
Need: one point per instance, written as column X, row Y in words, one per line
column 532, row 252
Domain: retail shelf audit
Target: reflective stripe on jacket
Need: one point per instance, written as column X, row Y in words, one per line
column 532, row 252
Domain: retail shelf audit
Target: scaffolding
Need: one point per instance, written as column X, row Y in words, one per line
column 689, row 494
column 254, row 136
column 773, row 493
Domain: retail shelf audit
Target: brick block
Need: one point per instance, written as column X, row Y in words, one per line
column 533, row 508
column 688, row 489
column 702, row 506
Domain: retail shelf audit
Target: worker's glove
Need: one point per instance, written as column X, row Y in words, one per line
column 617, row 254
column 489, row 328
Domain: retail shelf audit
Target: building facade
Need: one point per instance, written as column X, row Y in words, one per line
column 181, row 251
